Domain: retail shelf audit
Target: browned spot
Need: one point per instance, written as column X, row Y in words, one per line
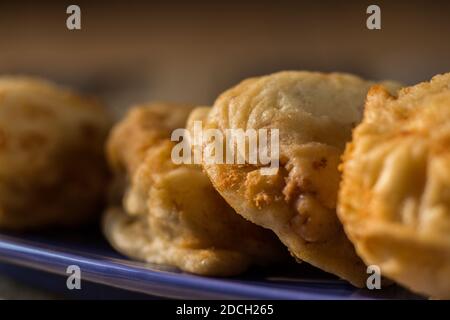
column 262, row 199
column 405, row 133
column 88, row 130
column 3, row 139
column 290, row 191
column 32, row 140
column 229, row 179
column 37, row 111
column 319, row 164
column 263, row 190
column 296, row 185
column 314, row 223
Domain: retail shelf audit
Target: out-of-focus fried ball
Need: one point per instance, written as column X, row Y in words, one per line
column 171, row 213
column 52, row 168
column 314, row 113
column 394, row 200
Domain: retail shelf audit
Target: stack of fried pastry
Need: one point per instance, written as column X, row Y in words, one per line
column 176, row 215
column 390, row 207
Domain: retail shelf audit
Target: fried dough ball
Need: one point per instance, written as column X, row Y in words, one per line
column 394, row 199
column 314, row 113
column 171, row 213
column 52, row 167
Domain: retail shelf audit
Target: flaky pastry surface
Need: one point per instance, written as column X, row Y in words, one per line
column 171, row 213
column 314, row 113
column 395, row 195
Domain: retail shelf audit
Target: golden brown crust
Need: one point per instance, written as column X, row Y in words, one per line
column 146, row 125
column 394, row 199
column 314, row 113
column 172, row 215
column 52, row 169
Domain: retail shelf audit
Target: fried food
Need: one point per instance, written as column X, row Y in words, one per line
column 314, row 114
column 52, row 168
column 394, row 199
column 171, row 213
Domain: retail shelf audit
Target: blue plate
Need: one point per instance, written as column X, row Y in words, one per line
column 52, row 253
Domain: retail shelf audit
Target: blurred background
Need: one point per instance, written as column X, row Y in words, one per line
column 133, row 51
